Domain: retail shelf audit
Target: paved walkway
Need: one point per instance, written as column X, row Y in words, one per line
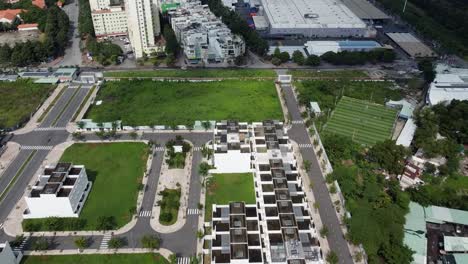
column 164, row 252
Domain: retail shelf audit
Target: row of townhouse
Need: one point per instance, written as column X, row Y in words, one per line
column 278, row 228
column 139, row 19
column 203, row 36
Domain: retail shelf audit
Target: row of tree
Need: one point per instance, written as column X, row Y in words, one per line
column 239, row 26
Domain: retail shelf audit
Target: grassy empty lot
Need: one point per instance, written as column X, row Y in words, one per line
column 230, row 187
column 145, row 258
column 19, row 99
column 116, row 170
column 364, row 122
column 195, row 73
column 146, row 102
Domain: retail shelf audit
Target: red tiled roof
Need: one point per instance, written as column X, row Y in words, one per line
column 10, row 14
column 33, row 25
column 39, row 3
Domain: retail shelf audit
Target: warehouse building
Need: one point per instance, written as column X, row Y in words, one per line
column 365, row 10
column 411, row 45
column 449, row 84
column 321, row 47
column 318, row 18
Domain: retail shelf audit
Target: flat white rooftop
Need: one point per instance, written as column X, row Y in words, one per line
column 310, row 14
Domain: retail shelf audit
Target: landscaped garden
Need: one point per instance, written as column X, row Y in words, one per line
column 176, row 159
column 116, row 170
column 18, row 100
column 147, row 102
column 169, row 204
column 146, row 258
column 364, row 122
column 229, row 187
column 195, row 73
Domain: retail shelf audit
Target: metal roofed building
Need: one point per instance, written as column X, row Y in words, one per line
column 455, row 244
column 320, row 47
column 441, row 215
column 60, row 191
column 365, row 10
column 415, row 230
column 65, row 74
column 316, row 18
column 449, row 84
column 411, row 45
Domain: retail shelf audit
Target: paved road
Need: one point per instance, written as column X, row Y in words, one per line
column 72, row 53
column 57, row 108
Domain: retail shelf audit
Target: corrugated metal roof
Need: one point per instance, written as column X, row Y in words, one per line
column 437, row 214
column 457, row 244
column 416, row 224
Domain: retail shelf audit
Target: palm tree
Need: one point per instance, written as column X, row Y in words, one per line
column 80, row 124
column 81, row 243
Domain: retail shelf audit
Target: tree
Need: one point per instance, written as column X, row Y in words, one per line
column 276, row 61
column 40, row 244
column 332, row 257
column 427, row 69
column 298, row 57
column 81, row 124
column 151, row 241
column 133, row 135
column 172, row 46
column 81, row 243
column 284, row 56
column 173, row 258
column 207, row 152
column 312, row 60
column 388, row 155
column 206, row 125
column 306, row 164
column 17, row 241
column 324, row 231
column 115, row 243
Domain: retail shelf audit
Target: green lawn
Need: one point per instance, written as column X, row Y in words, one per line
column 366, row 123
column 196, row 73
column 145, row 258
column 169, row 204
column 328, row 74
column 18, row 100
column 116, row 170
column 231, row 187
column 146, row 102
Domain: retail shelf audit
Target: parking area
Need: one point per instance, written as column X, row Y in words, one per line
column 13, row 37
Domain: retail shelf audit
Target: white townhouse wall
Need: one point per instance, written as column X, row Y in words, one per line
column 143, row 26
column 231, row 146
column 61, row 191
column 8, row 256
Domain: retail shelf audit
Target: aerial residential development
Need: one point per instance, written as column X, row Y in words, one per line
column 229, row 131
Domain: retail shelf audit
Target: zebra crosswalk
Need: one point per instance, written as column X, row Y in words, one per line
column 193, row 211
column 50, row 129
column 159, row 148
column 305, row 145
column 297, row 122
column 36, row 147
column 183, row 260
column 1, row 226
column 105, row 241
column 21, row 246
column 145, row 213
column 197, row 148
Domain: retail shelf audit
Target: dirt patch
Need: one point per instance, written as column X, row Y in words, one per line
column 11, row 38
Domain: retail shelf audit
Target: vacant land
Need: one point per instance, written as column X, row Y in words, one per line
column 364, row 122
column 18, row 100
column 347, row 74
column 146, row 102
column 116, row 170
column 169, row 204
column 196, row 73
column 146, row 258
column 231, row 187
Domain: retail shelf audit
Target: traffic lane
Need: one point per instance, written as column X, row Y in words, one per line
column 72, row 107
column 57, row 108
column 12, row 169
column 291, row 102
column 41, row 138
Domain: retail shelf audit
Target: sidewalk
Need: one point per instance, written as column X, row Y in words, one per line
column 71, row 126
column 164, row 252
column 33, row 122
column 12, row 150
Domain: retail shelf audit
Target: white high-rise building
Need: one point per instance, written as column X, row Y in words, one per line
column 143, row 26
column 108, row 20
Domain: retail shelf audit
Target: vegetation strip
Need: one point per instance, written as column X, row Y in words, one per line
column 66, row 106
column 140, row 258
column 18, row 173
column 51, row 105
column 83, row 103
column 195, row 73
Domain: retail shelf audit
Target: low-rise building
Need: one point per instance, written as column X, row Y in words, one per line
column 320, row 47
column 28, row 27
column 203, row 36
column 60, row 191
column 10, row 15
column 65, row 74
column 449, row 84
column 8, row 256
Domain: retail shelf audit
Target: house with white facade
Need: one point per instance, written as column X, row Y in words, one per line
column 60, row 191
column 203, row 36
column 8, row 256
column 281, row 213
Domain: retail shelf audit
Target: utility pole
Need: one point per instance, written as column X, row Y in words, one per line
column 404, row 6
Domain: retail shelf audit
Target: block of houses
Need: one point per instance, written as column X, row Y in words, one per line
column 60, row 191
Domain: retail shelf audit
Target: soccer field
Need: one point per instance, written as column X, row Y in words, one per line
column 365, row 122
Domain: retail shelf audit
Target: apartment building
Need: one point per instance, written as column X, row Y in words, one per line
column 144, row 26
column 203, row 36
column 281, row 215
column 231, row 146
column 60, row 191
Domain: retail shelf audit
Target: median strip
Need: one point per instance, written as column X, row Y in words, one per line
column 90, row 92
column 65, row 107
column 18, row 173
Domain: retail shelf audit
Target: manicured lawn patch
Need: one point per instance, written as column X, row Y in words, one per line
column 328, row 74
column 145, row 258
column 366, row 123
column 169, row 204
column 146, row 102
column 229, row 187
column 116, row 170
column 18, row 100
column 195, row 73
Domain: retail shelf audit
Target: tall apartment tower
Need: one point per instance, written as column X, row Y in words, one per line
column 109, row 19
column 143, row 26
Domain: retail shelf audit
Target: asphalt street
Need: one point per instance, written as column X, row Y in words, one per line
column 57, row 109
column 72, row 53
